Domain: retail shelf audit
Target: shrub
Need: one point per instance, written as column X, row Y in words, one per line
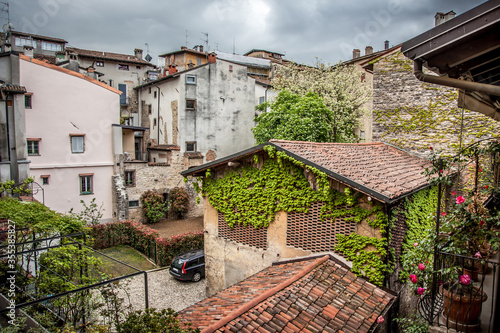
column 179, row 199
column 151, row 320
column 153, row 206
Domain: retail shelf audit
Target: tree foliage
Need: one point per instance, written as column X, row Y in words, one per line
column 341, row 89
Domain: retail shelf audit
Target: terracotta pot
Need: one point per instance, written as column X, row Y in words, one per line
column 463, row 309
column 472, row 273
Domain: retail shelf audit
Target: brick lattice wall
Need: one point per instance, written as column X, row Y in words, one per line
column 309, row 232
column 399, row 230
column 246, row 235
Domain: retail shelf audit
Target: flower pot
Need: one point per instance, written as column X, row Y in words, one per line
column 463, row 311
column 472, row 273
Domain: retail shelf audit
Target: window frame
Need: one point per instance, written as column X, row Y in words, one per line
column 74, row 136
column 32, row 143
column 89, row 182
column 193, row 77
column 191, row 143
column 126, row 178
column 45, row 179
column 28, row 97
column 123, row 67
column 133, row 206
column 194, row 104
column 99, row 63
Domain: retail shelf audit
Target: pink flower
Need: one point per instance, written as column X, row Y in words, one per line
column 443, row 214
column 380, row 320
column 460, row 199
column 486, row 186
column 420, row 290
column 415, row 244
column 478, row 255
column 480, row 170
column 453, row 193
column 481, row 223
column 413, row 278
column 441, row 171
column 421, row 267
column 465, row 279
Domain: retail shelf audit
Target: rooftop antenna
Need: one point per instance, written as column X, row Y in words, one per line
column 187, row 34
column 148, row 56
column 234, row 47
column 217, row 46
column 5, row 9
column 205, row 40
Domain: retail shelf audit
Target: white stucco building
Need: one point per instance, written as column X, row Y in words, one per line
column 69, row 135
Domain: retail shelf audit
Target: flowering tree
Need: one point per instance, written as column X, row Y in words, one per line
column 341, row 89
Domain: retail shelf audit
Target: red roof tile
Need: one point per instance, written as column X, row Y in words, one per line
column 309, row 295
column 164, row 147
column 107, row 56
column 385, row 169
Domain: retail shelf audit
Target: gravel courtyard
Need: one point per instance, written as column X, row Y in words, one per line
column 165, row 291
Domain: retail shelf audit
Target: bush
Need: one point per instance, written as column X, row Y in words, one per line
column 151, row 320
column 179, row 199
column 144, row 239
column 153, row 206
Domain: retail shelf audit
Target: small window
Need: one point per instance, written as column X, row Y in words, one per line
column 28, row 101
column 262, row 99
column 45, row 179
column 99, row 64
column 86, row 182
column 133, row 203
column 150, row 108
column 123, row 67
column 191, row 104
column 73, row 57
column 137, row 67
column 190, row 79
column 77, row 144
column 149, row 90
column 154, row 94
column 191, row 146
column 130, row 178
column 33, row 147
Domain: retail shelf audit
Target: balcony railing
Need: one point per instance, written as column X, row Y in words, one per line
column 465, row 294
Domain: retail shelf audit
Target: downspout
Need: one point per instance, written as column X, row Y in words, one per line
column 158, row 122
column 455, row 83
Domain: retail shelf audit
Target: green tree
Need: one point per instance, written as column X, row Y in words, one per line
column 341, row 89
column 152, row 321
column 294, row 117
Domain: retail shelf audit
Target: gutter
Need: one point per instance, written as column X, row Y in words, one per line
column 454, row 83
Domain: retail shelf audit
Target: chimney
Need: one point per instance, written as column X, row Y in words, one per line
column 91, row 72
column 28, row 51
column 368, row 50
column 183, row 48
column 440, row 18
column 200, row 48
column 172, row 69
column 7, row 47
column 386, row 45
column 356, row 53
column 211, row 58
column 138, row 54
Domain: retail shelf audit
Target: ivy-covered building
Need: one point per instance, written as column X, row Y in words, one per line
column 288, row 199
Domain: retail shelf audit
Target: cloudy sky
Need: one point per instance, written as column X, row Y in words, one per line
column 301, row 29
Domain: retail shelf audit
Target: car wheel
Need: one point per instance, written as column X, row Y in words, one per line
column 196, row 277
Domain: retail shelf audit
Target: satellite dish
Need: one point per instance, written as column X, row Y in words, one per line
column 148, row 58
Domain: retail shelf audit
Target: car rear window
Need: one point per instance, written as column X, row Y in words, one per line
column 177, row 263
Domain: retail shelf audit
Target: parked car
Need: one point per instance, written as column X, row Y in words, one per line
column 189, row 266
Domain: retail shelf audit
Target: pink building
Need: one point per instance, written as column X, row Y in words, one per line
column 69, row 119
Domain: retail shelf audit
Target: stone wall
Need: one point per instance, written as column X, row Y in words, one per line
column 414, row 115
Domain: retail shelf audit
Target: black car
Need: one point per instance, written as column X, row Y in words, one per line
column 189, row 266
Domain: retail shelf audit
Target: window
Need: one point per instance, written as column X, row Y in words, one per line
column 45, row 179
column 149, row 90
column 28, row 101
column 51, row 46
column 198, row 61
column 77, row 143
column 191, row 146
column 190, row 79
column 33, row 146
column 154, row 94
column 133, row 203
column 25, row 41
column 262, row 99
column 130, row 178
column 99, row 64
column 191, row 104
column 150, row 108
column 73, row 56
column 137, row 67
column 123, row 67
column 86, row 183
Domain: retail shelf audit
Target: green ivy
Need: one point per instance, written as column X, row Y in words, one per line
column 252, row 195
column 364, row 262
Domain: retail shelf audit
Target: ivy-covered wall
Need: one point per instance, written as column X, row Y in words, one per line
column 260, row 190
column 414, row 115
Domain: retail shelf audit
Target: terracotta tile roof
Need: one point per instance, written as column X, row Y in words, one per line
column 193, row 155
column 25, row 34
column 48, row 59
column 308, row 295
column 164, row 147
column 385, row 169
column 13, row 88
column 107, row 56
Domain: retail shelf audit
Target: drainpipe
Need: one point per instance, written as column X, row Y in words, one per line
column 455, row 83
column 158, row 120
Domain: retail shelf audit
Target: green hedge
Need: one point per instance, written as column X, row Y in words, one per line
column 145, row 240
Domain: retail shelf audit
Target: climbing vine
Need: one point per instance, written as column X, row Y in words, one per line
column 252, row 194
